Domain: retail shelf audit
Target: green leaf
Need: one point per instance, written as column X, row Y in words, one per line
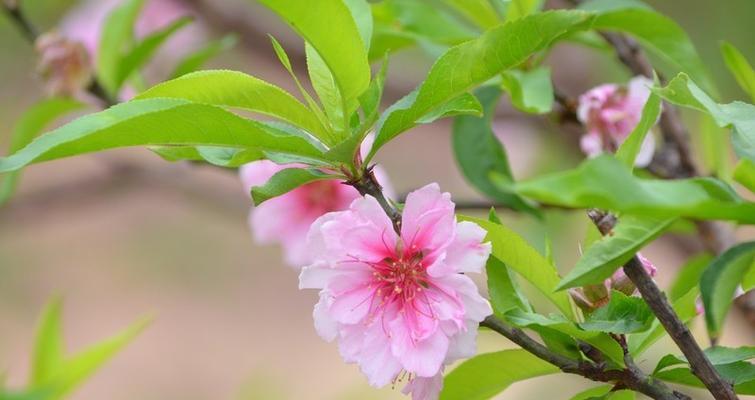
column 153, row 122
column 689, row 276
column 604, row 182
column 739, row 67
column 748, row 282
column 143, row 52
column 198, row 58
column 480, row 12
column 474, row 62
column 221, row 156
column 611, row 252
column 48, row 345
column 503, row 288
column 742, row 374
column 531, row 91
column 516, row 9
column 486, row 375
column 362, row 14
column 517, row 254
column 623, row 314
column 658, row 34
column 285, row 181
column 370, row 99
column 31, row 123
column 417, row 22
column 336, row 108
column 600, row 340
column 744, row 173
column 75, row 370
column 236, row 89
column 719, row 282
column 116, row 38
column 627, row 152
column 737, row 115
column 329, row 27
column 478, row 151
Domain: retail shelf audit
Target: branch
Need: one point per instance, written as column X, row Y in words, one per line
column 13, row 10
column 630, row 378
column 656, row 300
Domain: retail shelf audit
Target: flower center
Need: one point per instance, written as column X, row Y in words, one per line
column 400, row 279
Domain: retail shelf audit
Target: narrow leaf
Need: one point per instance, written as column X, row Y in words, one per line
column 116, row 38
column 531, row 91
column 486, row 375
column 48, row 345
column 517, row 254
column 156, row 122
column 609, row 253
column 739, row 67
column 285, row 181
column 479, row 152
column 236, row 89
column 604, row 182
column 472, row 63
column 221, row 156
column 719, row 282
column 32, row 122
column 744, row 173
column 627, row 152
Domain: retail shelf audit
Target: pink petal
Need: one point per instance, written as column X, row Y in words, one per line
column 325, row 326
column 466, row 253
column 424, row 357
column 256, row 173
column 425, row 388
column 428, row 220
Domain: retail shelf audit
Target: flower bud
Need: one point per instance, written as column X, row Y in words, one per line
column 63, row 64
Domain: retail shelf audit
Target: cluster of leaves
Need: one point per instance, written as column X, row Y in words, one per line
column 55, row 374
column 483, row 50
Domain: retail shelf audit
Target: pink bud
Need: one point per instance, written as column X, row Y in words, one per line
column 63, row 64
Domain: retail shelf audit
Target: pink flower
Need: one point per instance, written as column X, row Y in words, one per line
column 610, row 113
column 286, row 219
column 398, row 302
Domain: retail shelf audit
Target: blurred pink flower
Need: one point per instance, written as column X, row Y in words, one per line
column 63, row 64
column 610, row 112
column 286, row 219
column 398, row 302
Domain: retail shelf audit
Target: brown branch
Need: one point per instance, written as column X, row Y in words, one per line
column 658, row 303
column 630, row 377
column 367, row 184
column 13, row 10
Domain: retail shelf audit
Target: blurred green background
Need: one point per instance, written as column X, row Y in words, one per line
column 123, row 233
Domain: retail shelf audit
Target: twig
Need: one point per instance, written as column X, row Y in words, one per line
column 656, row 300
column 13, row 10
column 367, row 184
column 630, row 378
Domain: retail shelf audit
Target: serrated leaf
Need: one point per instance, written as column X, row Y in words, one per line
column 486, row 375
column 531, row 91
column 658, row 34
column 604, row 182
column 143, row 51
column 285, row 181
column 473, row 62
column 478, row 151
column 155, row 122
column 517, row 254
column 592, row 393
column 737, row 115
column 116, row 38
column 31, row 123
column 198, row 58
column 719, row 282
column 516, row 9
column 609, row 253
column 623, row 314
column 221, row 156
column 480, row 12
column 329, row 27
column 236, row 89
column 742, row 374
column 739, row 67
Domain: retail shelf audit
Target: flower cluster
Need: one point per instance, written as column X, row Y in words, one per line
column 398, row 302
column 610, row 112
